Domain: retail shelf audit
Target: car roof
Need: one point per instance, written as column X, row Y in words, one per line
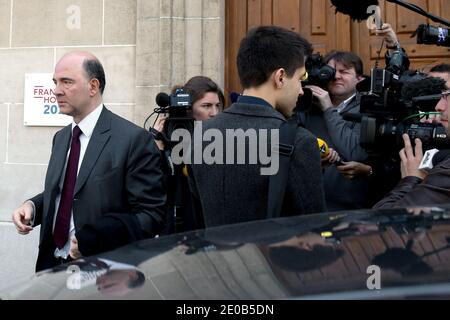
column 348, row 254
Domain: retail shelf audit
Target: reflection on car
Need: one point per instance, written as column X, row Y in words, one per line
column 364, row 254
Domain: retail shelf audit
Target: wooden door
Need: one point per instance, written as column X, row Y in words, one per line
column 316, row 21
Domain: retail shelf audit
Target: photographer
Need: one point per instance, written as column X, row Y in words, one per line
column 207, row 101
column 351, row 184
column 343, row 189
column 419, row 187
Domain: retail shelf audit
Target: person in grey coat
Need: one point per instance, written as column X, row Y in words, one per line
column 231, row 190
column 346, row 186
column 356, row 183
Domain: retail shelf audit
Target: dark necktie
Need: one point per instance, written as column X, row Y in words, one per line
column 62, row 225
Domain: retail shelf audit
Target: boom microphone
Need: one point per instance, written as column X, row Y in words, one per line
column 357, row 10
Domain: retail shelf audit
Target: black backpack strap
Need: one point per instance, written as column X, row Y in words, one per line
column 278, row 182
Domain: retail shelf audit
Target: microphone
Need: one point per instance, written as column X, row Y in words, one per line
column 323, row 148
column 325, row 151
column 357, row 10
column 162, row 99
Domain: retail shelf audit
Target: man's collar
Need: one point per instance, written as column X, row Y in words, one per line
column 253, row 100
column 87, row 125
column 344, row 103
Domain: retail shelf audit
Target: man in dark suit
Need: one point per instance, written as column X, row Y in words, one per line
column 103, row 184
column 271, row 67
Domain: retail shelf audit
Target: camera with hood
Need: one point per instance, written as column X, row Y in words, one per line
column 319, row 73
column 394, row 105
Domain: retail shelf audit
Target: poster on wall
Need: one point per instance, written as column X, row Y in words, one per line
column 40, row 105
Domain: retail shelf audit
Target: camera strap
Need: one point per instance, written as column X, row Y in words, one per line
column 278, row 182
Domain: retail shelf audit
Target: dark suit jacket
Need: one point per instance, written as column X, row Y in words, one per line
column 237, row 193
column 118, row 193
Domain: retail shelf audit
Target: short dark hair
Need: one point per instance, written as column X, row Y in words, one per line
column 268, row 48
column 300, row 260
column 348, row 59
column 443, row 67
column 94, row 70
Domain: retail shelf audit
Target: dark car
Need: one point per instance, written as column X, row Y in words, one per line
column 401, row 253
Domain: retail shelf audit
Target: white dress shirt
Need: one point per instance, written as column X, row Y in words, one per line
column 86, row 126
column 343, row 104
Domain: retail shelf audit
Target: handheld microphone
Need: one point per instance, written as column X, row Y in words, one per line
column 323, row 148
column 325, row 151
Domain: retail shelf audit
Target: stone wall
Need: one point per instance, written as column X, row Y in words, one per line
column 146, row 46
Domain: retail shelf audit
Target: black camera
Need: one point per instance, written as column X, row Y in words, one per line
column 178, row 106
column 427, row 34
column 394, row 106
column 319, row 73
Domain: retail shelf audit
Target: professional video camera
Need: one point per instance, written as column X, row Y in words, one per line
column 319, row 73
column 386, row 112
column 178, row 106
column 396, row 101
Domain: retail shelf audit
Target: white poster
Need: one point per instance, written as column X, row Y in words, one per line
column 40, row 105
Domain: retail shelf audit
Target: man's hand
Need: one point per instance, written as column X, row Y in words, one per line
column 74, row 252
column 352, row 170
column 388, row 33
column 411, row 159
column 22, row 217
column 322, row 96
column 331, row 158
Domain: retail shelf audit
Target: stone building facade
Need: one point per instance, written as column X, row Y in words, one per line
column 146, row 47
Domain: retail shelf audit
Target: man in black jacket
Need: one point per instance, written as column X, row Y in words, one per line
column 419, row 187
column 271, row 68
column 103, row 184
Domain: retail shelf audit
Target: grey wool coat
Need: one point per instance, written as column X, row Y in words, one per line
column 233, row 193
